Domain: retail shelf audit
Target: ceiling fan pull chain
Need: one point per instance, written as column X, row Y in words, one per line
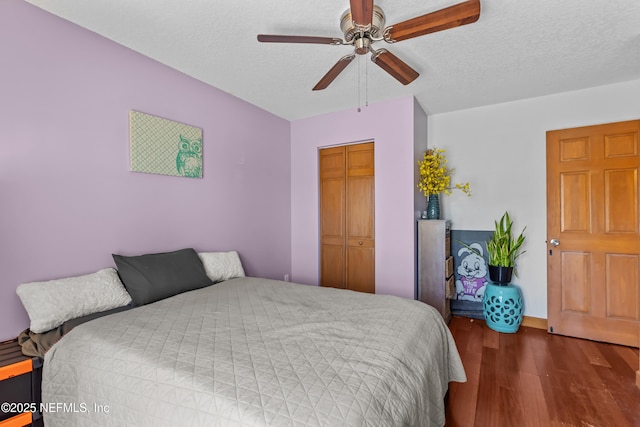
column 366, row 83
column 359, row 62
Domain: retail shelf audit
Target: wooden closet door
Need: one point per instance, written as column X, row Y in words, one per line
column 347, row 249
column 332, row 217
column 360, row 218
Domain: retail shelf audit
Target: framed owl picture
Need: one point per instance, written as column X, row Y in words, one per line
column 165, row 147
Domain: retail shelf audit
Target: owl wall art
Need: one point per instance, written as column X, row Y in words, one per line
column 189, row 160
column 165, row 147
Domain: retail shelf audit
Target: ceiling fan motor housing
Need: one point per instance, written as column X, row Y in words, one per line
column 350, row 30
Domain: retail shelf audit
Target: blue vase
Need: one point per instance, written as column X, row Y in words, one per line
column 502, row 306
column 433, row 206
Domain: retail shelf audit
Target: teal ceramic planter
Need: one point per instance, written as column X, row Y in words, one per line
column 502, row 306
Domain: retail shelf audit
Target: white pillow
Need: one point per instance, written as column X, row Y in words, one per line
column 221, row 265
column 53, row 302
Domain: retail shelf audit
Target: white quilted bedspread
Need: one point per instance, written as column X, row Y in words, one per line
column 255, row 352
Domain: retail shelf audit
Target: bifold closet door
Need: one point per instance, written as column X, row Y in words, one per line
column 332, row 217
column 347, row 241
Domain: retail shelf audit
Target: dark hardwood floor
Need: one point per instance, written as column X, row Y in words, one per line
column 532, row 378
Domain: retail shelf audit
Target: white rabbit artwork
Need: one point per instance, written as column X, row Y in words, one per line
column 472, row 270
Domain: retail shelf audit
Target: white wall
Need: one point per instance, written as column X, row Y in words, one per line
column 500, row 149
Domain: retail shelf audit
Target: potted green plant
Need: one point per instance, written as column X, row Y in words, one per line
column 503, row 249
column 502, row 303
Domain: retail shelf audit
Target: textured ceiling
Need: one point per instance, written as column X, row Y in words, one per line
column 517, row 49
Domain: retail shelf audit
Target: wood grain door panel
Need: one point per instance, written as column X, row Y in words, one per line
column 360, row 207
column 621, row 201
column 621, row 282
column 332, row 199
column 577, row 272
column 332, row 217
column 575, row 203
column 360, row 218
column 361, row 275
column 333, row 265
column 593, row 211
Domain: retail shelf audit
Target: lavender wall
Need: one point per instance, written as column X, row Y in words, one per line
column 393, row 125
column 68, row 198
column 420, row 122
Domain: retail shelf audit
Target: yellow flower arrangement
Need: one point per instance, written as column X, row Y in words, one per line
column 435, row 177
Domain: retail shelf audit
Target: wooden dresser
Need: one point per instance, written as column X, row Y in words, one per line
column 436, row 283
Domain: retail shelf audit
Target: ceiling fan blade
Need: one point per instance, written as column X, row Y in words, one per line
column 454, row 16
column 334, row 71
column 271, row 38
column 394, row 66
column 362, row 12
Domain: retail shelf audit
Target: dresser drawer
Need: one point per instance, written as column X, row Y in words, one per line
column 448, row 269
column 450, row 288
column 447, row 246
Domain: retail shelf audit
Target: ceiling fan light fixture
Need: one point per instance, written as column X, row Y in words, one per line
column 362, row 45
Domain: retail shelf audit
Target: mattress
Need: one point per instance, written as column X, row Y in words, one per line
column 255, row 352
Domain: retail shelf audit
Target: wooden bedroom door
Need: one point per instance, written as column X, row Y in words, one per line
column 593, row 241
column 347, row 241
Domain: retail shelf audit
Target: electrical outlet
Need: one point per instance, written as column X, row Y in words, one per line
column 286, row 277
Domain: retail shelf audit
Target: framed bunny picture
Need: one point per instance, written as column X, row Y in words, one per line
column 470, row 269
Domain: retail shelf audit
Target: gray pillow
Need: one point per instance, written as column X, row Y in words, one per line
column 153, row 277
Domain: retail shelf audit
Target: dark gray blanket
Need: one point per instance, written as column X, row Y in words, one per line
column 36, row 345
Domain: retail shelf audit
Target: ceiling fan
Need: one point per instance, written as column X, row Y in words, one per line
column 363, row 25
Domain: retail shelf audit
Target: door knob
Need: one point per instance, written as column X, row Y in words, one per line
column 554, row 242
column 360, row 242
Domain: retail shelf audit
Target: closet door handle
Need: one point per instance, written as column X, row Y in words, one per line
column 360, row 242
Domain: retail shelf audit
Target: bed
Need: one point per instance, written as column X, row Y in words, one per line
column 255, row 352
